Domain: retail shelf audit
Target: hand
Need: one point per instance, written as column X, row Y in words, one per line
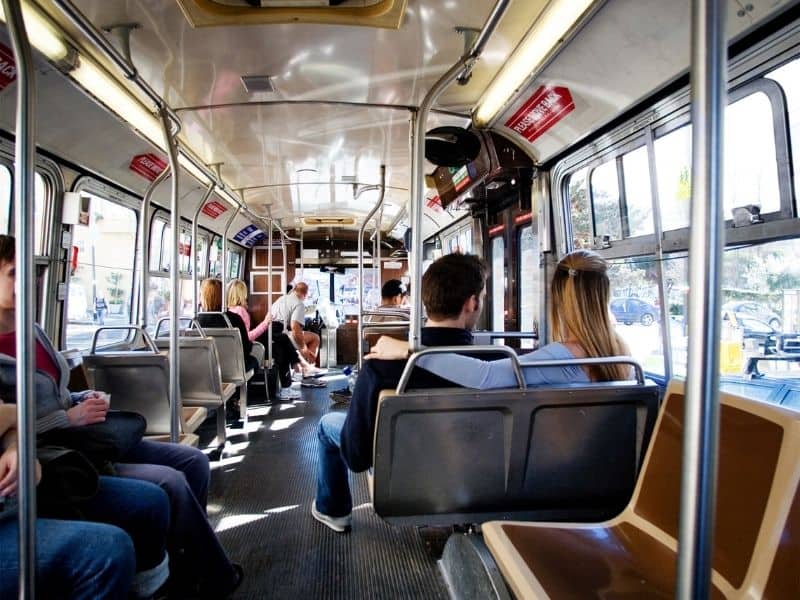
column 268, row 318
column 9, row 472
column 92, row 410
column 98, row 394
column 388, row 348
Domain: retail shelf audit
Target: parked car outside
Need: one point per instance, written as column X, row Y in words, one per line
column 633, row 310
column 753, row 329
column 754, row 310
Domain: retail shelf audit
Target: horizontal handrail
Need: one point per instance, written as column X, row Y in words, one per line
column 494, row 335
column 192, row 324
column 135, row 328
column 504, row 350
column 400, row 314
column 602, row 360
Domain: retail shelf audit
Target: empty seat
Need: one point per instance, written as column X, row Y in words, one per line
column 756, row 523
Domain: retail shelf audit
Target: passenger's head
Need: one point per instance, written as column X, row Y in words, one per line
column 211, row 295
column 579, row 313
column 237, row 293
column 393, row 292
column 7, row 272
column 301, row 289
column 455, row 284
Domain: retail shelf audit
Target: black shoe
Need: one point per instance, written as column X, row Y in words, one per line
column 238, row 577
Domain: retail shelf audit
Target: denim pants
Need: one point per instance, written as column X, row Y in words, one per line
column 75, row 560
column 333, row 485
column 196, row 555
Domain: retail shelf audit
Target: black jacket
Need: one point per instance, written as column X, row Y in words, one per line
column 376, row 375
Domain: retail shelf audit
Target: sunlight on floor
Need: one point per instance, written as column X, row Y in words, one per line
column 238, row 520
column 280, row 424
column 227, row 462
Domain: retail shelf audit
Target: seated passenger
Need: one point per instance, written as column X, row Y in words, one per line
column 289, row 316
column 283, row 351
column 453, row 291
column 581, row 325
column 211, row 301
column 181, row 471
column 393, row 297
column 73, row 559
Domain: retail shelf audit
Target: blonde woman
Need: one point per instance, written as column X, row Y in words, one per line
column 581, row 325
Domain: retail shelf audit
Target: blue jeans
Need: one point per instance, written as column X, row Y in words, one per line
column 333, row 485
column 196, row 556
column 138, row 507
column 75, row 560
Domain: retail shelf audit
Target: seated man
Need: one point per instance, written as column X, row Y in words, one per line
column 453, row 290
column 393, row 296
column 289, row 316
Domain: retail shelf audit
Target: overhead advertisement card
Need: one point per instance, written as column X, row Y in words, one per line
column 244, row 233
column 546, row 107
column 214, row 209
column 148, row 165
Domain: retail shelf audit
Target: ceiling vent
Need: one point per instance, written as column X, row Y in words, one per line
column 258, row 83
column 328, row 221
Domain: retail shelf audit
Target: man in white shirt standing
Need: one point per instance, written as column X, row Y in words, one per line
column 290, row 311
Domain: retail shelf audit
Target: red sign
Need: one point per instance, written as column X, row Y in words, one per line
column 148, row 165
column 185, row 249
column 496, row 229
column 545, row 108
column 214, row 209
column 8, row 68
column 435, row 203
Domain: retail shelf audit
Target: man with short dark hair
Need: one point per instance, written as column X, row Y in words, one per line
column 393, row 293
column 453, row 290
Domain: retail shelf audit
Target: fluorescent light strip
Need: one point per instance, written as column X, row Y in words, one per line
column 41, row 35
column 539, row 42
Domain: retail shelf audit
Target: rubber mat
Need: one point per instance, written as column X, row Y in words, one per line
column 260, row 498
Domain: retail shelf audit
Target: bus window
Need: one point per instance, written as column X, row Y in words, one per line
column 636, row 309
column 101, row 287
column 5, row 198
column 498, row 284
column 158, row 299
column 605, row 200
column 638, row 199
column 201, row 253
column 157, row 236
column 234, row 264
column 214, row 269
column 581, row 215
column 528, row 283
column 185, row 247
column 788, row 76
column 751, row 169
column 39, row 207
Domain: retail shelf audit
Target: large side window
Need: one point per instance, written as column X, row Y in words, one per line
column 528, row 283
column 499, row 282
column 788, row 76
column 101, row 286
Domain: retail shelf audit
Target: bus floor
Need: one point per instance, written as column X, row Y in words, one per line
column 260, row 501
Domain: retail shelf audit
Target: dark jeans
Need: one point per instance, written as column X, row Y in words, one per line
column 283, row 352
column 74, row 560
column 196, row 556
column 333, row 484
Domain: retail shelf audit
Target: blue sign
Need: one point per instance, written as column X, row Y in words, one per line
column 239, row 237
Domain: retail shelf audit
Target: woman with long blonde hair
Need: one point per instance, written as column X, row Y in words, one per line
column 582, row 328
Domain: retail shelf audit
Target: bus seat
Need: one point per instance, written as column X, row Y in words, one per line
column 635, row 553
column 231, row 361
column 201, row 377
column 139, row 382
column 445, row 456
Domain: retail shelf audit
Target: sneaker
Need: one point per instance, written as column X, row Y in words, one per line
column 338, row 524
column 313, row 383
column 314, row 372
column 297, row 376
column 288, row 394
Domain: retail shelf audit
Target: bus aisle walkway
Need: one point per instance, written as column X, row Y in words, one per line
column 259, row 503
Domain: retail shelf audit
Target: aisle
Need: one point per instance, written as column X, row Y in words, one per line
column 259, row 502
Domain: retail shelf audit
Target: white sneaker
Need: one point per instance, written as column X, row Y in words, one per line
column 314, row 372
column 338, row 524
column 288, row 394
column 297, row 376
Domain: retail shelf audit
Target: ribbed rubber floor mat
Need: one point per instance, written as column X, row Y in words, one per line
column 260, row 500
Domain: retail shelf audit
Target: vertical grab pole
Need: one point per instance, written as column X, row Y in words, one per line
column 375, row 208
column 302, row 267
column 195, row 218
column 459, row 71
column 269, row 300
column 174, row 282
column 144, row 244
column 24, row 154
column 225, row 256
column 701, row 429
